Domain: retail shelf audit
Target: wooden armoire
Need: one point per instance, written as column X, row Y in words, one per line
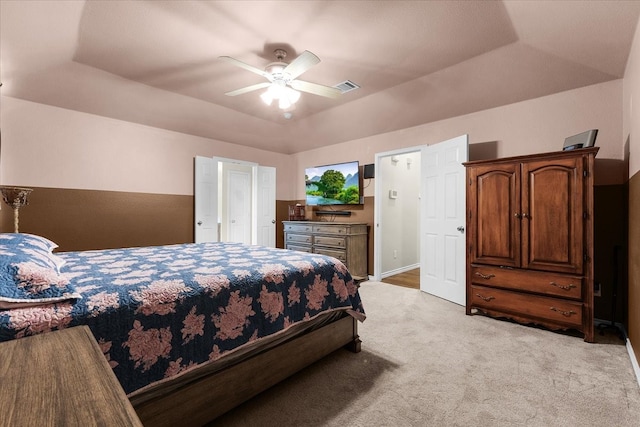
column 530, row 239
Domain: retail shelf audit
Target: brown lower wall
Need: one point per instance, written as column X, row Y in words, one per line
column 610, row 252
column 80, row 220
column 86, row 219
column 634, row 264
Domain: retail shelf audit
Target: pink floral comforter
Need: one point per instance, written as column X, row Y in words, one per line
column 160, row 311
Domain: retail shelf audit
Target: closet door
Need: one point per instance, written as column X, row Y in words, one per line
column 553, row 214
column 493, row 199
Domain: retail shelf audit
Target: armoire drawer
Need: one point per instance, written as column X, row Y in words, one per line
column 341, row 255
column 555, row 310
column 299, row 238
column 555, row 284
column 334, row 242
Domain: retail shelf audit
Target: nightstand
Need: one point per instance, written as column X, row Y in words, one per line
column 60, row 378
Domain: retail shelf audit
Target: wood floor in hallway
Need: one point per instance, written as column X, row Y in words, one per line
column 408, row 279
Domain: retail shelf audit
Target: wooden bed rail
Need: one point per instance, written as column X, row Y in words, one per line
column 205, row 399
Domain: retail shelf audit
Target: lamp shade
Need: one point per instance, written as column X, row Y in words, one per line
column 16, row 197
column 286, row 96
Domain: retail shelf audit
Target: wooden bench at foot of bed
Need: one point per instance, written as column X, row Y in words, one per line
column 206, row 398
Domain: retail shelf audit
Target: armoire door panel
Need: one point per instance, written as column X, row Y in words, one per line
column 552, row 210
column 498, row 198
column 530, row 222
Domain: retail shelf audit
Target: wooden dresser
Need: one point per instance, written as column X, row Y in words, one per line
column 530, row 239
column 60, row 378
column 342, row 240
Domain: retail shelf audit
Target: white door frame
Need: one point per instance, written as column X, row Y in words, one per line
column 205, row 194
column 442, row 219
column 254, row 168
column 238, row 213
column 264, row 206
column 377, row 208
column 256, row 207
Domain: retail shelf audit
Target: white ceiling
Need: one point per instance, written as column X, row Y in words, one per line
column 156, row 62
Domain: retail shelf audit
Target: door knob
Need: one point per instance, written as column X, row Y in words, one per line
column 460, row 229
column 199, row 222
column 273, row 221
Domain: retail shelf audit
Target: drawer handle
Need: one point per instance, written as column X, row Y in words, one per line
column 564, row 313
column 565, row 287
column 485, row 276
column 487, row 299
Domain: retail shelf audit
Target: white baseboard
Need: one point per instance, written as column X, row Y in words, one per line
column 632, row 355
column 634, row 361
column 399, row 270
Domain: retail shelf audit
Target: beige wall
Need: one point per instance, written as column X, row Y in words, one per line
column 631, row 113
column 69, row 149
column 400, row 241
column 46, row 146
column 631, row 136
column 528, row 127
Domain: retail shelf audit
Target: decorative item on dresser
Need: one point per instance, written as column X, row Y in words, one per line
column 342, row 240
column 530, row 239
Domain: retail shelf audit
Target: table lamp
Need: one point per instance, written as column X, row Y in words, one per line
column 16, row 197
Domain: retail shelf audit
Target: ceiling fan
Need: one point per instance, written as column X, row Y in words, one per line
column 283, row 84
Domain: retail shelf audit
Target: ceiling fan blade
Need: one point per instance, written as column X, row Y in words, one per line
column 246, row 66
column 248, row 89
column 301, row 64
column 316, row 89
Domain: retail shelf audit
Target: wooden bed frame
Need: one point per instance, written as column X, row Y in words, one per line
column 208, row 397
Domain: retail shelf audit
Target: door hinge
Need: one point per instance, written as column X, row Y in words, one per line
column 584, row 215
column 585, row 173
column 585, row 257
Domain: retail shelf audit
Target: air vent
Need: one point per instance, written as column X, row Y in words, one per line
column 347, row 86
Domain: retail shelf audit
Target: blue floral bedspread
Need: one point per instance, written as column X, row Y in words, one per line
column 160, row 311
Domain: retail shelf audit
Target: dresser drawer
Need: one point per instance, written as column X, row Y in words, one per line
column 298, row 228
column 531, row 306
column 299, row 238
column 555, row 284
column 330, row 229
column 341, row 255
column 334, row 242
column 299, row 248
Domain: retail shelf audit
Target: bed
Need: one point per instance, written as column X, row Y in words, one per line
column 190, row 330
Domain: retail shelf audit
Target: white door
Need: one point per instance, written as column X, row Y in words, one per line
column 265, row 206
column 443, row 205
column 206, row 200
column 239, row 206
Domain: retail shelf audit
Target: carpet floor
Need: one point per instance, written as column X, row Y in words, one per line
column 425, row 363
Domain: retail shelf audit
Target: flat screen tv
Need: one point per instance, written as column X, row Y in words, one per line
column 337, row 184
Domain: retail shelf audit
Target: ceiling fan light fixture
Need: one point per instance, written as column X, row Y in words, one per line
column 286, row 96
column 283, row 84
column 292, row 94
column 266, row 97
column 283, row 103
